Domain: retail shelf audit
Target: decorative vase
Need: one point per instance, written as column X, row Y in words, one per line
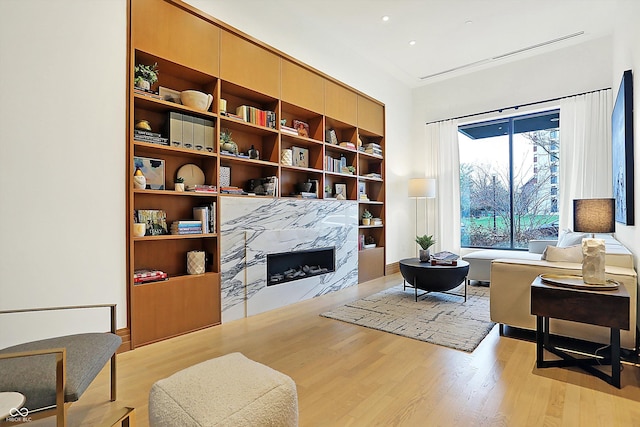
column 424, row 255
column 593, row 261
column 253, row 153
column 231, row 147
column 286, row 157
column 143, row 84
column 366, row 221
column 179, row 186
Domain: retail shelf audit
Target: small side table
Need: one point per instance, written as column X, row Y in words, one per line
column 10, row 400
column 602, row 308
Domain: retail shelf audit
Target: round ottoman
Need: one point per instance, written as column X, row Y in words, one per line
column 226, row 391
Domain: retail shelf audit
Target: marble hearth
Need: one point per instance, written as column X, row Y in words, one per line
column 252, row 228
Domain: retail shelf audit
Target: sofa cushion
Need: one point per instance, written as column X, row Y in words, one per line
column 568, row 254
column 567, row 238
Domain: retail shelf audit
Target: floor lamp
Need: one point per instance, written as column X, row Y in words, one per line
column 422, row 188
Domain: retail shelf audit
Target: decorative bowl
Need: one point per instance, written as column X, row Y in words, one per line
column 196, row 100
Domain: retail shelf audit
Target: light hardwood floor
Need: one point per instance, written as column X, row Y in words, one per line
column 348, row 375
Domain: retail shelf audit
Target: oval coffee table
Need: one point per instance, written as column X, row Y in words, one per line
column 434, row 278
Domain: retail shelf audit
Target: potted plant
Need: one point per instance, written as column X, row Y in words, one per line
column 145, row 75
column 226, row 143
column 425, row 243
column 366, row 217
column 178, row 184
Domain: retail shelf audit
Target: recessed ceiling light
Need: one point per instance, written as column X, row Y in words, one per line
column 385, row 18
column 412, row 42
column 468, row 22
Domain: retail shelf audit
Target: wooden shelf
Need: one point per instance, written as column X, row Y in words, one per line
column 242, row 71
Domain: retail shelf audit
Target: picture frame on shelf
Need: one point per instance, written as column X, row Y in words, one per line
column 225, row 176
column 153, row 171
column 300, row 157
column 155, row 220
column 302, row 128
column 341, row 190
column 169, row 95
column 331, row 137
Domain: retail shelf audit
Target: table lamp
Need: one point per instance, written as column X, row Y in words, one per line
column 593, row 216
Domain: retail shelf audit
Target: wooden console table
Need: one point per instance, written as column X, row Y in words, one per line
column 603, row 308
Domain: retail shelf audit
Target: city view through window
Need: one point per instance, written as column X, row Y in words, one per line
column 509, row 184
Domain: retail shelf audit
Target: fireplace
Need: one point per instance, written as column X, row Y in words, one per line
column 289, row 266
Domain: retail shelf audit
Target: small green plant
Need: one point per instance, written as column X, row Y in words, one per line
column 351, row 169
column 366, row 214
column 225, row 136
column 146, row 72
column 425, row 241
column 179, row 180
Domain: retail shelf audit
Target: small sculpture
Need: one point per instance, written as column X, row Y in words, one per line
column 593, row 252
column 139, row 180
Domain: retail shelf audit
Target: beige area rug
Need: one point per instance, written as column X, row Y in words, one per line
column 436, row 318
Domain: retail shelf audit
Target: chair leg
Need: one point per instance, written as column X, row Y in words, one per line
column 113, row 377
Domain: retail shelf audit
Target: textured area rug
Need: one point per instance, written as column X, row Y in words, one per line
column 436, row 318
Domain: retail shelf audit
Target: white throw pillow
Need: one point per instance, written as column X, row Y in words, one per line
column 568, row 238
column 568, row 254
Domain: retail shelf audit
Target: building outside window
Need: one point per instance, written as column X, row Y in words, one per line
column 509, row 181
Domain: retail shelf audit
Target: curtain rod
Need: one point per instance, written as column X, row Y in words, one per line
column 515, row 107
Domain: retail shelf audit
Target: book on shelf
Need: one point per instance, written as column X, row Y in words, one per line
column 152, row 139
column 373, row 175
column 289, row 130
column 155, row 219
column 146, row 133
column 331, row 137
column 146, row 275
column 202, row 188
column 256, row 116
column 232, row 190
column 306, row 195
column 347, row 144
column 147, row 93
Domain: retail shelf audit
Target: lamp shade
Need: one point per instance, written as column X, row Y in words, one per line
column 594, row 215
column 422, row 188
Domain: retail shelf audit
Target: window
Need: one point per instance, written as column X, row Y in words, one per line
column 507, row 167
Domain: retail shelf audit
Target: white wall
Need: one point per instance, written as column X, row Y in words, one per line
column 62, row 161
column 626, row 56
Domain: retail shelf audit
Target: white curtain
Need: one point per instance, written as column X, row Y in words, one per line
column 585, row 150
column 443, row 164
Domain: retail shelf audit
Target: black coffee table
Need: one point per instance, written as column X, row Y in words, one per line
column 434, row 278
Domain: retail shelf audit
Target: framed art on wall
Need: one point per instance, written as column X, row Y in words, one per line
column 622, row 150
column 153, row 171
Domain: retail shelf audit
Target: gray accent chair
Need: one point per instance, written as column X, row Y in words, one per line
column 54, row 372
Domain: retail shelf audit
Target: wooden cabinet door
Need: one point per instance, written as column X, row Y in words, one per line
column 370, row 116
column 302, row 87
column 167, row 31
column 249, row 65
column 340, row 103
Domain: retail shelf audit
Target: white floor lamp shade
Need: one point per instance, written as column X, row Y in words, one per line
column 422, row 188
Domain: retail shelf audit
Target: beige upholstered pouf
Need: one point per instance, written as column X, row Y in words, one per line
column 226, row 391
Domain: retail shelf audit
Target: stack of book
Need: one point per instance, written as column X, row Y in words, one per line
column 149, row 93
column 373, row 175
column 347, row 144
column 146, row 275
column 256, row 116
column 232, row 190
column 373, row 148
column 376, row 221
column 146, row 136
column 287, row 129
column 207, row 215
column 332, row 164
column 444, row 258
column 202, row 188
column 186, row 226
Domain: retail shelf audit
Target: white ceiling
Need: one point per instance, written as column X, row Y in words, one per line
column 452, row 36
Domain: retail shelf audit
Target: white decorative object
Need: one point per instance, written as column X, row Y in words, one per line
column 195, row 99
column 179, row 186
column 139, row 229
column 286, row 157
column 195, row 262
column 593, row 252
column 139, row 182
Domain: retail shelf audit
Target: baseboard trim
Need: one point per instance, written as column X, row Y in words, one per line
column 125, row 334
column 392, row 268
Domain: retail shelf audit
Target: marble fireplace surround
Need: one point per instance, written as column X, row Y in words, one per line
column 252, row 228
